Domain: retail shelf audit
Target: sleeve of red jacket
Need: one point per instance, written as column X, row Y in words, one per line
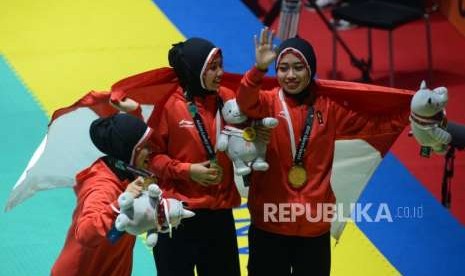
column 97, row 216
column 164, row 166
column 250, row 100
column 380, row 130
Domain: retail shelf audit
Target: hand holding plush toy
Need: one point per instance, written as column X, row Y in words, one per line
column 150, row 213
column 242, row 145
column 428, row 118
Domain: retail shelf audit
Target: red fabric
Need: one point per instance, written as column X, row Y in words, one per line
column 180, row 145
column 97, row 101
column 144, row 86
column 152, row 88
column 348, row 111
column 86, row 250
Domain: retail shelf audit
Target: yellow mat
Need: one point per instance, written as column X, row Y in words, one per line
column 62, row 49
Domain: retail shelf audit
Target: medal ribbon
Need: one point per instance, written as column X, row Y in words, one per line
column 233, row 131
column 200, row 126
column 298, row 155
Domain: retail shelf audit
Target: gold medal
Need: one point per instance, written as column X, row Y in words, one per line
column 249, row 134
column 297, row 176
column 215, row 165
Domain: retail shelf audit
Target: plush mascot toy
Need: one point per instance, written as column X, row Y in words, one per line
column 242, row 144
column 150, row 213
column 428, row 119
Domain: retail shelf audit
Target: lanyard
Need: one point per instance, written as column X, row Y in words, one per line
column 133, row 169
column 193, row 110
column 297, row 154
column 127, row 168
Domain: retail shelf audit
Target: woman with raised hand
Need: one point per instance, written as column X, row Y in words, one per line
column 312, row 115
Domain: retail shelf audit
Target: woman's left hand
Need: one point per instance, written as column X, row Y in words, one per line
column 127, row 105
column 264, row 49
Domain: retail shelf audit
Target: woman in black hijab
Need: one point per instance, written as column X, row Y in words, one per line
column 190, row 170
column 290, row 247
column 291, row 205
column 87, row 250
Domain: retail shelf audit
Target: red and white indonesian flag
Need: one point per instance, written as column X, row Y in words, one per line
column 356, row 160
column 67, row 148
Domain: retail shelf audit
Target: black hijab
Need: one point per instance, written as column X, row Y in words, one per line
column 117, row 135
column 188, row 60
column 305, row 49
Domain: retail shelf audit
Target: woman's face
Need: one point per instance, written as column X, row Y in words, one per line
column 213, row 74
column 142, row 160
column 292, row 74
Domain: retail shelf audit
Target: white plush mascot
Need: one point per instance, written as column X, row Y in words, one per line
column 242, row 145
column 428, row 118
column 150, row 213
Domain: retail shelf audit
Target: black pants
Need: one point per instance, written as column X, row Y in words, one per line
column 206, row 241
column 274, row 254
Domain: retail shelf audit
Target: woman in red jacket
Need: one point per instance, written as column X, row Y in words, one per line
column 300, row 155
column 87, row 250
column 190, row 170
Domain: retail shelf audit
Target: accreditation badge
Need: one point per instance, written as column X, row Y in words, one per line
column 297, row 176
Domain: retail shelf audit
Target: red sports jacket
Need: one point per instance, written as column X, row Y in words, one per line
column 87, row 252
column 333, row 121
column 180, row 145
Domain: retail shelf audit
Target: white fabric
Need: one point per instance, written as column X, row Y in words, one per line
column 66, row 150
column 147, row 111
column 354, row 163
column 241, row 188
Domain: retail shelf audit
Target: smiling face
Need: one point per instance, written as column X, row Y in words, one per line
column 213, row 74
column 142, row 156
column 292, row 74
